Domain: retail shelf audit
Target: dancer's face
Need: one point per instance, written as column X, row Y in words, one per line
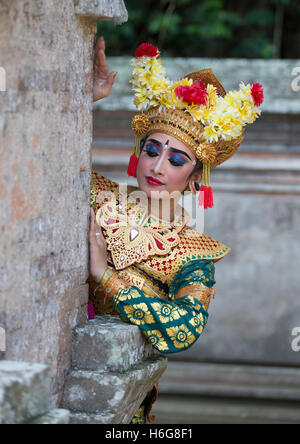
column 168, row 161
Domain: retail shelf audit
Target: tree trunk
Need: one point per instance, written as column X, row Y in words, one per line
column 278, row 31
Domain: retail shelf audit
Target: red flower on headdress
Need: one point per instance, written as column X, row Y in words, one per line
column 148, row 50
column 195, row 94
column 257, row 93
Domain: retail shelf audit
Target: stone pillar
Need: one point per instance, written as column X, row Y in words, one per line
column 45, row 167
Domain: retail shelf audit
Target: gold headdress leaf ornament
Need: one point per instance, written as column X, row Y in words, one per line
column 140, row 124
column 195, row 109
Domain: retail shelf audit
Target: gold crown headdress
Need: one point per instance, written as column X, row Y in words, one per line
column 195, row 109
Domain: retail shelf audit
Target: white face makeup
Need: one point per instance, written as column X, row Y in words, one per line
column 166, row 147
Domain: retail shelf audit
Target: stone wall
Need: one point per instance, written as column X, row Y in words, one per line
column 45, row 139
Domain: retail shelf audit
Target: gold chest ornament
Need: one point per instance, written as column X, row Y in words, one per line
column 133, row 236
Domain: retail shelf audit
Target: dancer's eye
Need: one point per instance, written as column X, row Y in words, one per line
column 177, row 160
column 152, row 150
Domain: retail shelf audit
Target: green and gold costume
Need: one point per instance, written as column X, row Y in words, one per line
column 158, row 278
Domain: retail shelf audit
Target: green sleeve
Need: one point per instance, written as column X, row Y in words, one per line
column 169, row 325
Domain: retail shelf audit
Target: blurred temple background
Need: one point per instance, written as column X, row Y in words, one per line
column 246, row 366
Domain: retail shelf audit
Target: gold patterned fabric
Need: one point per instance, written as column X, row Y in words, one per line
column 166, row 292
column 140, row 415
column 169, row 246
column 129, row 237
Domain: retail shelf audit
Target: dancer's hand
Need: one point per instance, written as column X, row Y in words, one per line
column 98, row 249
column 103, row 79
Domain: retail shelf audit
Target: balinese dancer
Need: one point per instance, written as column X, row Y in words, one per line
column 151, row 268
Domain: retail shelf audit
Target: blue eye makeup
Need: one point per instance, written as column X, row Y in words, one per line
column 152, row 150
column 177, row 160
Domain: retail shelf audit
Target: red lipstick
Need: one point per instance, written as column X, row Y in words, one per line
column 153, row 182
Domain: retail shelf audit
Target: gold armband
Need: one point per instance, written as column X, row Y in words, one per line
column 199, row 292
column 107, row 275
column 113, row 285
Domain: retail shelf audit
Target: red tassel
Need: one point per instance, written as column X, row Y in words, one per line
column 210, row 197
column 133, row 163
column 206, row 196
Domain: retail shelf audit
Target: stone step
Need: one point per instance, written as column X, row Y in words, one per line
column 108, row 344
column 117, row 395
column 204, row 410
column 100, row 418
column 54, row 417
column 24, row 391
column 231, row 380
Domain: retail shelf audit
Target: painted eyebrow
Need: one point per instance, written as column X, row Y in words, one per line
column 173, row 150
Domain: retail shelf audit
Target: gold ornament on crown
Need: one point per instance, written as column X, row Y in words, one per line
column 140, row 124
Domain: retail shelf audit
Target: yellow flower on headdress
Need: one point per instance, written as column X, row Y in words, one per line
column 141, row 100
column 169, row 99
column 165, row 99
column 211, row 133
column 196, row 111
column 212, row 95
column 149, row 75
column 222, row 117
column 182, row 82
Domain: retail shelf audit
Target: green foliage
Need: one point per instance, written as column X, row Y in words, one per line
column 205, row 28
column 260, row 17
column 283, row 2
column 257, row 46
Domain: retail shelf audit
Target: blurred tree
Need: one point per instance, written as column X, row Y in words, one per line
column 209, row 28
